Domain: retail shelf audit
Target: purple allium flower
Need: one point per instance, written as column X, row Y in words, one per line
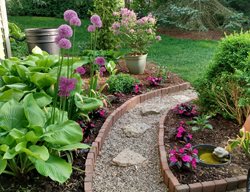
column 91, row 28
column 96, row 21
column 80, row 70
column 64, row 43
column 69, row 14
column 158, row 38
column 65, row 31
column 58, row 38
column 75, row 21
column 100, row 61
column 102, row 70
column 66, row 86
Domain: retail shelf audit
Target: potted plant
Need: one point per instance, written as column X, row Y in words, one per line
column 135, row 35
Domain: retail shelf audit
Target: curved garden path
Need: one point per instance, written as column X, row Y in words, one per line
column 138, row 169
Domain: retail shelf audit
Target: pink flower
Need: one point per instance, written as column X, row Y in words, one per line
column 188, row 146
column 116, row 14
column 102, row 113
column 64, row 43
column 179, row 135
column 116, row 26
column 66, row 86
column 193, row 163
column 186, row 158
column 182, row 150
column 173, row 159
column 172, row 152
column 96, row 21
column 100, row 61
column 91, row 28
column 190, row 136
column 75, row 21
column 80, row 70
column 102, row 70
column 65, row 31
column 58, row 38
column 69, row 14
column 181, row 129
column 195, row 151
column 158, row 38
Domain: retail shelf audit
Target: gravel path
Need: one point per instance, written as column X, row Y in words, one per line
column 144, row 177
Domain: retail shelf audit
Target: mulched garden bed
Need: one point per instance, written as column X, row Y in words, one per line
column 34, row 182
column 222, row 131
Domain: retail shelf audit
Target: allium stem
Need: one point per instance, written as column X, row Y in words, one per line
column 73, row 50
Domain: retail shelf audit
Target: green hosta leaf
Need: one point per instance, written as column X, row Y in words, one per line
column 47, row 61
column 11, row 79
column 12, row 115
column 19, row 86
column 58, row 115
column 195, row 128
column 55, row 168
column 32, row 137
column 65, row 133
column 34, row 114
column 87, row 104
column 4, row 148
column 11, row 94
column 3, row 164
column 10, row 154
column 16, row 134
column 208, row 126
column 7, row 139
column 43, row 79
column 37, row 51
column 73, row 147
column 42, row 99
column 3, row 70
column 22, row 71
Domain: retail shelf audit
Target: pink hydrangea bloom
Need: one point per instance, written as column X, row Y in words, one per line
column 66, row 86
column 75, row 21
column 69, row 14
column 91, row 28
column 80, row 70
column 64, row 43
column 100, row 61
column 65, row 31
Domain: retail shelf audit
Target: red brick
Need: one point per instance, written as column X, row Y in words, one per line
column 220, row 185
column 96, row 145
column 88, row 178
column 164, row 91
column 143, row 97
column 165, row 177
column 89, row 169
column 161, row 137
column 208, row 186
column 101, row 135
column 88, row 186
column 232, row 183
column 242, row 181
column 172, row 181
column 91, row 156
column 182, row 188
column 195, row 187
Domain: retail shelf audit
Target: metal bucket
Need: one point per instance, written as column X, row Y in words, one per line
column 43, row 38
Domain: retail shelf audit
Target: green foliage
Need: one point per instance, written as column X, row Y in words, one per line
column 225, row 87
column 239, row 5
column 121, row 83
column 105, row 37
column 28, row 141
column 200, row 123
column 48, row 8
column 200, row 15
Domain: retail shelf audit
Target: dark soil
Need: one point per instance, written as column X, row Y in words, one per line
column 34, row 182
column 222, row 131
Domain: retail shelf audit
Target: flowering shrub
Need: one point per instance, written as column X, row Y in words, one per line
column 186, row 110
column 182, row 134
column 184, row 158
column 135, row 34
column 154, row 81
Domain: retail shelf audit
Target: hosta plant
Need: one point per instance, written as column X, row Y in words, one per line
column 29, row 141
column 185, row 109
column 184, row 158
column 200, row 123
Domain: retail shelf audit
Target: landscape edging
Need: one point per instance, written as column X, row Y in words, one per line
column 110, row 121
column 172, row 182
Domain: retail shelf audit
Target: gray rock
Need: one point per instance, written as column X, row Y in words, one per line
column 128, row 158
column 111, row 98
column 135, row 129
column 181, row 98
column 151, row 110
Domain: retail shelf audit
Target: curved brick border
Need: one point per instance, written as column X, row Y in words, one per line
column 110, row 121
column 209, row 186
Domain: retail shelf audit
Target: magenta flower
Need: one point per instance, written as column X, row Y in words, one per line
column 181, row 129
column 173, row 159
column 80, row 70
column 195, row 151
column 188, row 146
column 193, row 163
column 102, row 70
column 158, row 38
column 91, row 28
column 190, row 136
column 64, row 43
column 66, row 86
column 75, row 21
column 181, row 150
column 102, row 113
column 69, row 14
column 100, row 61
column 96, row 21
column 65, row 31
column 186, row 158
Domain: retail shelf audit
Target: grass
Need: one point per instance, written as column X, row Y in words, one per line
column 187, row 58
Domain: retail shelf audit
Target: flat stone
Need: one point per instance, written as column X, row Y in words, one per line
column 128, row 158
column 151, row 110
column 181, row 98
column 135, row 129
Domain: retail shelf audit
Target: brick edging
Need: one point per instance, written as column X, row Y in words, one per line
column 110, row 121
column 172, row 182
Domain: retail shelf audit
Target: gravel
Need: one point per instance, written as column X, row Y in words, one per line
column 145, row 177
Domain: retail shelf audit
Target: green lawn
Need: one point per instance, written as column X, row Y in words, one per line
column 188, row 58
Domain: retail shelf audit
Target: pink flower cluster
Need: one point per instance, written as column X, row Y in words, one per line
column 137, row 88
column 154, row 81
column 80, row 70
column 184, row 158
column 182, row 133
column 186, row 110
column 65, row 31
column 96, row 22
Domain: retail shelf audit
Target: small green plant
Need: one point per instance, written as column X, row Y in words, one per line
column 201, row 123
column 162, row 72
column 121, row 83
